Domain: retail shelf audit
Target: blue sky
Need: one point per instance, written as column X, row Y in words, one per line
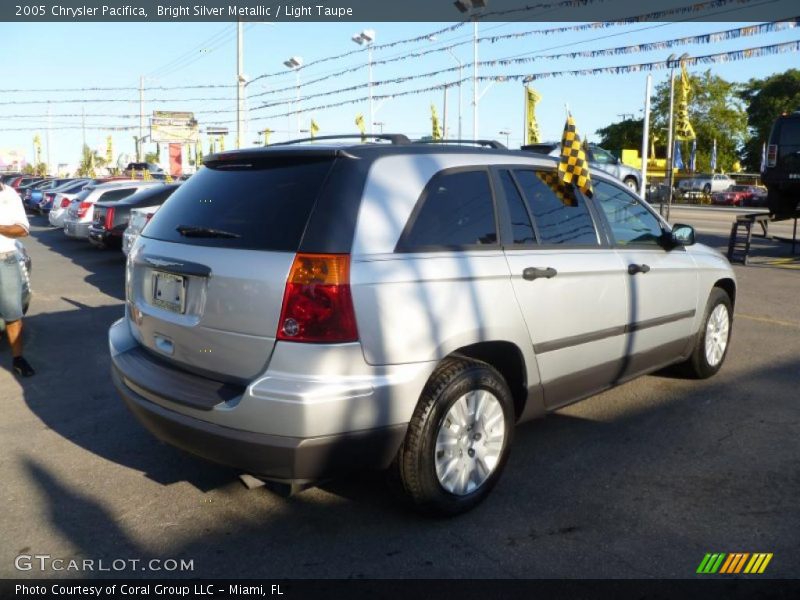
column 84, row 55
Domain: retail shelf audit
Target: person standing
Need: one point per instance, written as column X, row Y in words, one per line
column 13, row 224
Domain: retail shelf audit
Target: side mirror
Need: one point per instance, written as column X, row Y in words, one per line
column 682, row 235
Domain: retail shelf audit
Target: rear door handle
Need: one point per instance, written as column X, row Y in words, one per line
column 532, row 273
column 634, row 269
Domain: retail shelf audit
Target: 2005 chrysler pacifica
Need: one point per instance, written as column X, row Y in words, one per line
column 302, row 310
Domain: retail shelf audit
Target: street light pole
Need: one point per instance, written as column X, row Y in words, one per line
column 367, row 37
column 294, row 63
column 472, row 7
column 460, row 79
column 506, row 133
column 239, row 84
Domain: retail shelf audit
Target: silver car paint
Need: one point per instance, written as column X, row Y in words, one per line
column 411, row 309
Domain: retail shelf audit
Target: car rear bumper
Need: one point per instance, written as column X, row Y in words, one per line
column 102, row 237
column 278, row 458
column 281, row 426
column 76, row 229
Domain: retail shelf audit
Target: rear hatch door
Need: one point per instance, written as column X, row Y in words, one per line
column 207, row 275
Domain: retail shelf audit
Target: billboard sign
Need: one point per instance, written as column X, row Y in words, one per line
column 174, row 127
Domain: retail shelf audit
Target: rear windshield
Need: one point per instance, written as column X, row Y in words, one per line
column 257, row 207
column 790, row 132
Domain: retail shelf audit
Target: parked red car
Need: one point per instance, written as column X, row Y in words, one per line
column 735, row 195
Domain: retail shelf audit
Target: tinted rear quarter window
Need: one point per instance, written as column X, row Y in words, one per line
column 456, row 210
column 790, row 132
column 262, row 205
column 115, row 195
column 560, row 213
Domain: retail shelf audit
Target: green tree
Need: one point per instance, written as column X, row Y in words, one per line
column 766, row 99
column 90, row 160
column 716, row 111
column 623, row 134
column 151, row 157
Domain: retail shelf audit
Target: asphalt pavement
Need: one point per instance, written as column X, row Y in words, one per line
column 640, row 481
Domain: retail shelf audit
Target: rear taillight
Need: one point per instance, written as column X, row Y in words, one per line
column 317, row 305
column 83, row 207
column 65, row 202
column 109, row 223
column 772, row 155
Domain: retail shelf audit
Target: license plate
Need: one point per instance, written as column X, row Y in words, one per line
column 169, row 292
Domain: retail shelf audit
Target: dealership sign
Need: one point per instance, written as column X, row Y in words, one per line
column 174, row 127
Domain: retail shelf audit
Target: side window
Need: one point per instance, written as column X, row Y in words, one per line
column 457, row 210
column 561, row 215
column 602, row 156
column 520, row 221
column 630, row 221
column 114, row 195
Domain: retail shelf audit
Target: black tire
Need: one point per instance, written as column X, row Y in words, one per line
column 415, row 464
column 631, row 183
column 782, row 203
column 697, row 366
column 707, row 189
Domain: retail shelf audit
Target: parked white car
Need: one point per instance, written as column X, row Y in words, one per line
column 81, row 210
column 706, row 183
column 138, row 219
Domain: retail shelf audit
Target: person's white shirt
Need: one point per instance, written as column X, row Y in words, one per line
column 12, row 212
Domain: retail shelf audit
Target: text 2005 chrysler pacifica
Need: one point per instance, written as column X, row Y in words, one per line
column 302, row 310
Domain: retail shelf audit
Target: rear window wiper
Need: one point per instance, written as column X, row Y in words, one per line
column 204, row 232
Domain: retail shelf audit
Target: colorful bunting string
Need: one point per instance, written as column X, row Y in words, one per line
column 707, row 38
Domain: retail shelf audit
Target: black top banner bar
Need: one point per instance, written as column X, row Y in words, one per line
column 389, row 10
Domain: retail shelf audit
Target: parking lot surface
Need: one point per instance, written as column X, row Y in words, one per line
column 640, row 481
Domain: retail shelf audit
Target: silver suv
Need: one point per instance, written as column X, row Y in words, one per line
column 299, row 311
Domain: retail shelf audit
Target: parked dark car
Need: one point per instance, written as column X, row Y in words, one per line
column 34, row 193
column 781, row 174
column 111, row 218
column 22, row 182
column 7, row 177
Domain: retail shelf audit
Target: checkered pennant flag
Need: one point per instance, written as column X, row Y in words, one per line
column 565, row 193
column 573, row 168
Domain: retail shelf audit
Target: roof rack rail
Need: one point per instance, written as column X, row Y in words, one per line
column 394, row 138
column 487, row 143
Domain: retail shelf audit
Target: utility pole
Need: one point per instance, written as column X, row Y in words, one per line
column 444, row 115
column 474, row 78
column 83, row 125
column 239, row 84
column 47, row 139
column 645, row 136
column 139, row 149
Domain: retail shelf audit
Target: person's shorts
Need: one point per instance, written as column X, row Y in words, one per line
column 10, row 288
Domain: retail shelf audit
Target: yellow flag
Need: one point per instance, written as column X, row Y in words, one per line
column 531, row 98
column 573, row 166
column 360, row 124
column 314, row 129
column 109, row 150
column 436, row 130
column 683, row 128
